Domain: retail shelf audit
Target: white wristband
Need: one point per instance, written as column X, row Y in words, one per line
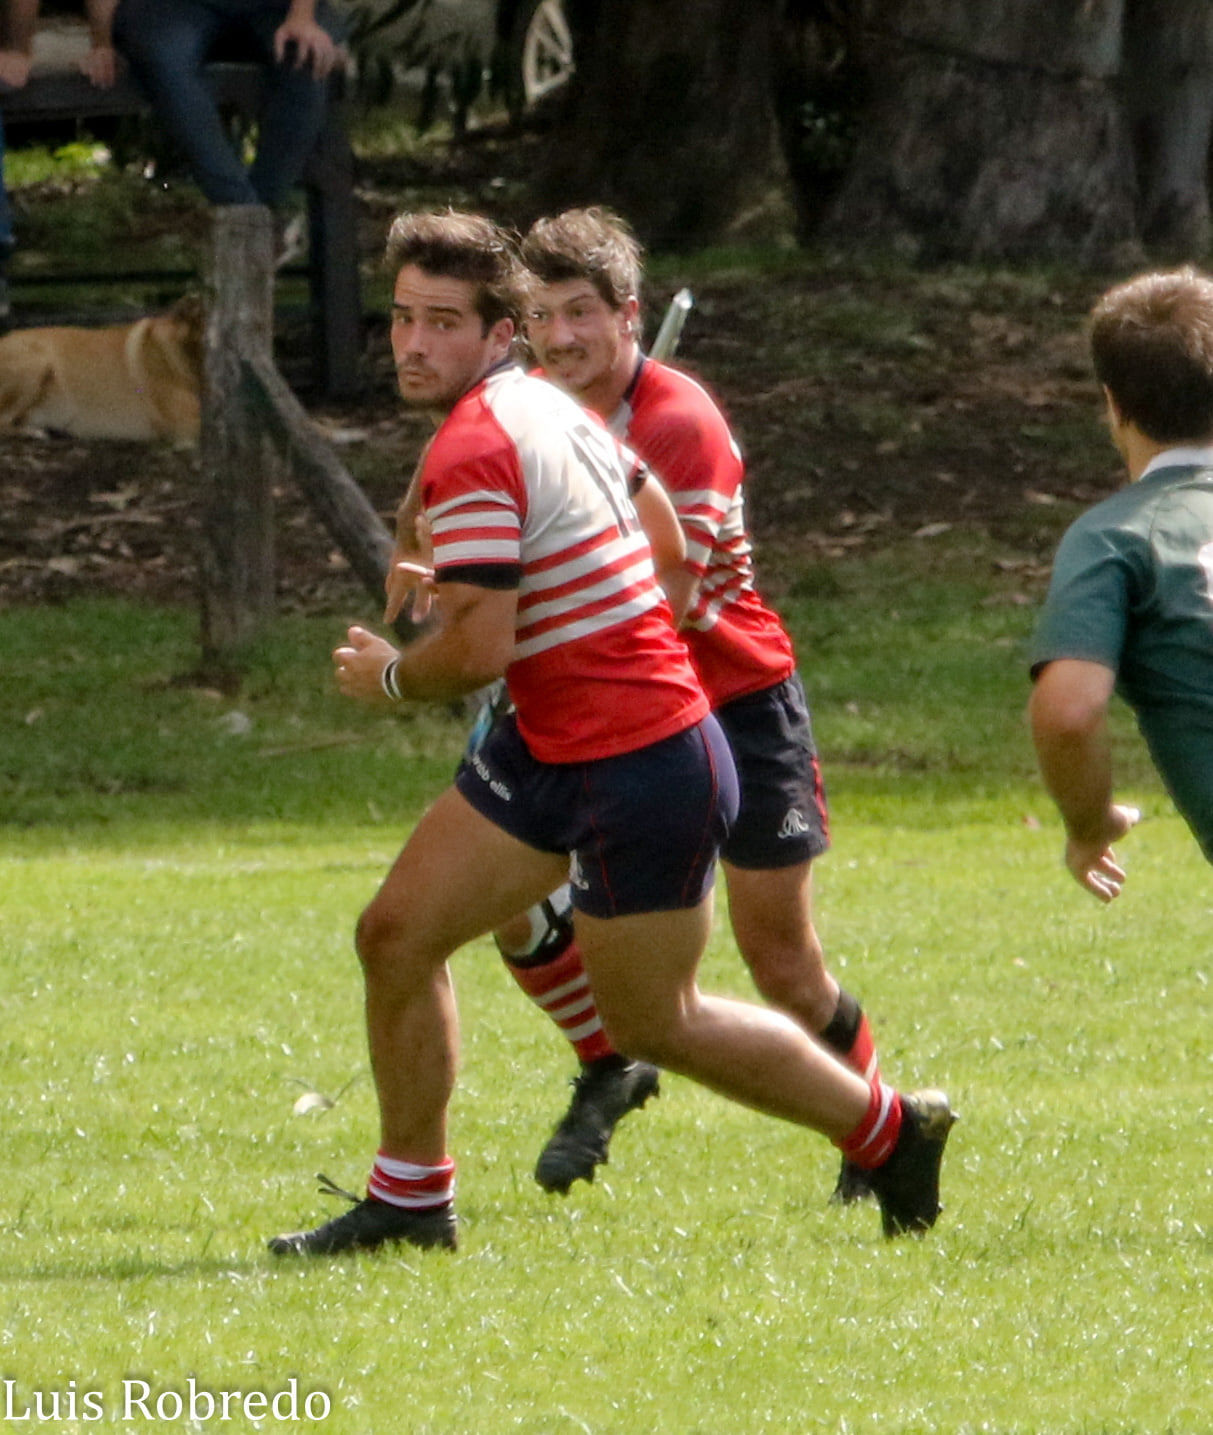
column 388, row 680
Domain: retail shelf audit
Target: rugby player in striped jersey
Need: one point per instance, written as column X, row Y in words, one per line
column 583, row 324
column 610, row 772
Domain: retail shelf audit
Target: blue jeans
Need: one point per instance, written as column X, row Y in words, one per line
column 6, row 209
column 166, row 43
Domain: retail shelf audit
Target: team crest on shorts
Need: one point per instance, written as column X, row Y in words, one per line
column 794, row 824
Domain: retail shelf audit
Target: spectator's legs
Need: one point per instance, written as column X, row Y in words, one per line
column 6, row 241
column 166, row 43
column 291, row 117
column 6, row 211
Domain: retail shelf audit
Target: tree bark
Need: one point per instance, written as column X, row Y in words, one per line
column 995, row 131
column 669, row 117
column 1168, row 73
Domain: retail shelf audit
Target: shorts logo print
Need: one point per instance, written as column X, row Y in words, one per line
column 576, row 879
column 495, row 783
column 794, row 824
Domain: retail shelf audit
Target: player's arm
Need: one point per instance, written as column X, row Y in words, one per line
column 1068, row 713
column 659, row 519
column 470, row 646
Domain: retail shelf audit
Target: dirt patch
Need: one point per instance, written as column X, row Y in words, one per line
column 871, row 401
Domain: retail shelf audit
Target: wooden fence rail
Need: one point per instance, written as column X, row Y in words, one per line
column 334, row 495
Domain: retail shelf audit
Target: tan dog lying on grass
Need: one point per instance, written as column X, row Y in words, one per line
column 127, row 381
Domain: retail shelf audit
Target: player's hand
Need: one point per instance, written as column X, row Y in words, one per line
column 305, row 45
column 411, row 572
column 1093, row 864
column 405, row 578
column 359, row 665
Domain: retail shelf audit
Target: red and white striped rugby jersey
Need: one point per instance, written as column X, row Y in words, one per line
column 521, row 484
column 738, row 644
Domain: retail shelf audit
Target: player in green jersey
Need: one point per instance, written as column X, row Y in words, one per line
column 1130, row 604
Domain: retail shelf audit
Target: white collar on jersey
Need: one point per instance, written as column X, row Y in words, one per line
column 1179, row 458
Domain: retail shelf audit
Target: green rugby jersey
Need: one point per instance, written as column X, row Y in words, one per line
column 1132, row 589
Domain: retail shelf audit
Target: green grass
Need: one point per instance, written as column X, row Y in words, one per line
column 176, row 907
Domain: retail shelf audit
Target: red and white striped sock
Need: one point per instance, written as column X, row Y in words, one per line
column 871, row 1143
column 418, row 1188
column 562, row 989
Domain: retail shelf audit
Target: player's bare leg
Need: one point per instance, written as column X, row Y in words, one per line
column 771, row 910
column 458, row 876
column 771, row 914
column 643, row 971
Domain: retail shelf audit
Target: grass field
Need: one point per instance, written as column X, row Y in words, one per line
column 180, row 881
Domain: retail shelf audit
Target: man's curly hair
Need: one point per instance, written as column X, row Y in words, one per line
column 453, row 244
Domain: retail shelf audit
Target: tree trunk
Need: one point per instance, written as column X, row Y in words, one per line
column 669, row 118
column 994, row 131
column 1169, row 99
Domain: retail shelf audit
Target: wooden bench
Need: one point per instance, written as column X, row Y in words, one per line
column 336, row 306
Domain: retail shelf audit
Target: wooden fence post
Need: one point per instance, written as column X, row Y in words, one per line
column 238, row 463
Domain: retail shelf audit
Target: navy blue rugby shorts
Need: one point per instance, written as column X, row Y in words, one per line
column 783, row 818
column 642, row 829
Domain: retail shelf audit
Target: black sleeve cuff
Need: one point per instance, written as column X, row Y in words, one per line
column 481, row 575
